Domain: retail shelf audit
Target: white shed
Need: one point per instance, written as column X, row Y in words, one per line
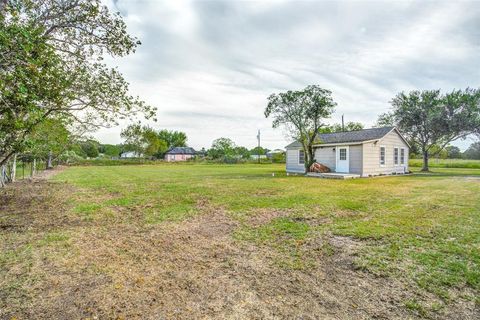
column 365, row 152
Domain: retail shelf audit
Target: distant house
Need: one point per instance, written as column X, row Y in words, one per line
column 256, row 156
column 179, row 154
column 365, row 152
column 130, row 154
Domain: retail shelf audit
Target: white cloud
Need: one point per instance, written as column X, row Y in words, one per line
column 210, row 65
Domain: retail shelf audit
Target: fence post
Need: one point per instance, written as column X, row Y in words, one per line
column 34, row 167
column 13, row 171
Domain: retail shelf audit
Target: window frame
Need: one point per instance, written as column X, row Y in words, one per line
column 402, row 156
column 299, row 152
column 396, row 156
column 340, row 154
column 384, row 155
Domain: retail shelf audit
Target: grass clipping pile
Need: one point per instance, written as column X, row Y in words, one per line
column 56, row 265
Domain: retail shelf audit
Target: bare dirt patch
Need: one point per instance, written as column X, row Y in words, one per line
column 57, row 266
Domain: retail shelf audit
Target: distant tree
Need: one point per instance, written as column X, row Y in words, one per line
column 302, row 114
column 90, row 148
column 173, row 138
column 110, row 150
column 453, row 152
column 473, row 152
column 134, row 139
column 279, row 157
column 258, row 151
column 242, row 152
column 153, row 145
column 143, row 140
column 431, row 120
column 222, row 148
column 337, row 127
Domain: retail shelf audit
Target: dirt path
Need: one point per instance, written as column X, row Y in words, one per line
column 124, row 269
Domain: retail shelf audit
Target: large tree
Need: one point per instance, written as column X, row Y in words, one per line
column 431, row 120
column 302, row 113
column 143, row 140
column 222, row 148
column 51, row 66
column 173, row 138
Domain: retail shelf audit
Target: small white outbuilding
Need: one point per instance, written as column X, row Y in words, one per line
column 366, row 152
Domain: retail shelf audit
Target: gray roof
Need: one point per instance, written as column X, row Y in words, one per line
column 181, row 150
column 348, row 136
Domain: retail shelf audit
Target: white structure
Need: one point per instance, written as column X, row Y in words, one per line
column 367, row 152
column 130, row 154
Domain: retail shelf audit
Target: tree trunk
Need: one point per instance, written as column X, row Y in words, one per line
column 3, row 176
column 13, row 171
column 49, row 162
column 425, row 161
column 310, row 157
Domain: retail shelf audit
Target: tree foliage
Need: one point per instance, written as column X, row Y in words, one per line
column 222, row 148
column 89, row 148
column 453, row 152
column 173, row 138
column 337, row 127
column 431, row 120
column 302, row 113
column 143, row 140
column 51, row 68
column 110, row 150
column 473, row 152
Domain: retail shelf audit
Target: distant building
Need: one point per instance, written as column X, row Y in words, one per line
column 179, row 154
column 256, row 156
column 130, row 154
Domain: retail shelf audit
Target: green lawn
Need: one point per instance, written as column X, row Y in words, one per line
column 222, row 235
column 447, row 163
column 425, row 227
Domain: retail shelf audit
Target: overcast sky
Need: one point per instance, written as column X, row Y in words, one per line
column 210, row 65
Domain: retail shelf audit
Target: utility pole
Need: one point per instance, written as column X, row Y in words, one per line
column 343, row 124
column 258, row 149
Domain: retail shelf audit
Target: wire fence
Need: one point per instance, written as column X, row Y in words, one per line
column 26, row 168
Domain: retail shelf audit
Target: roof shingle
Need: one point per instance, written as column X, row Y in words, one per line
column 348, row 136
column 354, row 136
column 181, row 150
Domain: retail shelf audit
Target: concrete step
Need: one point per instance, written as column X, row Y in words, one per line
column 333, row 175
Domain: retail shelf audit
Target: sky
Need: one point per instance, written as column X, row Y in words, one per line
column 209, row 66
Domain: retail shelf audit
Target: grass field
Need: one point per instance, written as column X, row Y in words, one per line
column 447, row 163
column 242, row 241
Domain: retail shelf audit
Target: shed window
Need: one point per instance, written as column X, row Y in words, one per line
column 343, row 154
column 301, row 157
column 402, row 156
column 395, row 156
column 382, row 156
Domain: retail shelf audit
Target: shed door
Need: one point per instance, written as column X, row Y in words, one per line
column 342, row 159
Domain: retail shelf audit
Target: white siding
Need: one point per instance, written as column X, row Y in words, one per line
column 292, row 161
column 356, row 159
column 371, row 155
column 326, row 156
